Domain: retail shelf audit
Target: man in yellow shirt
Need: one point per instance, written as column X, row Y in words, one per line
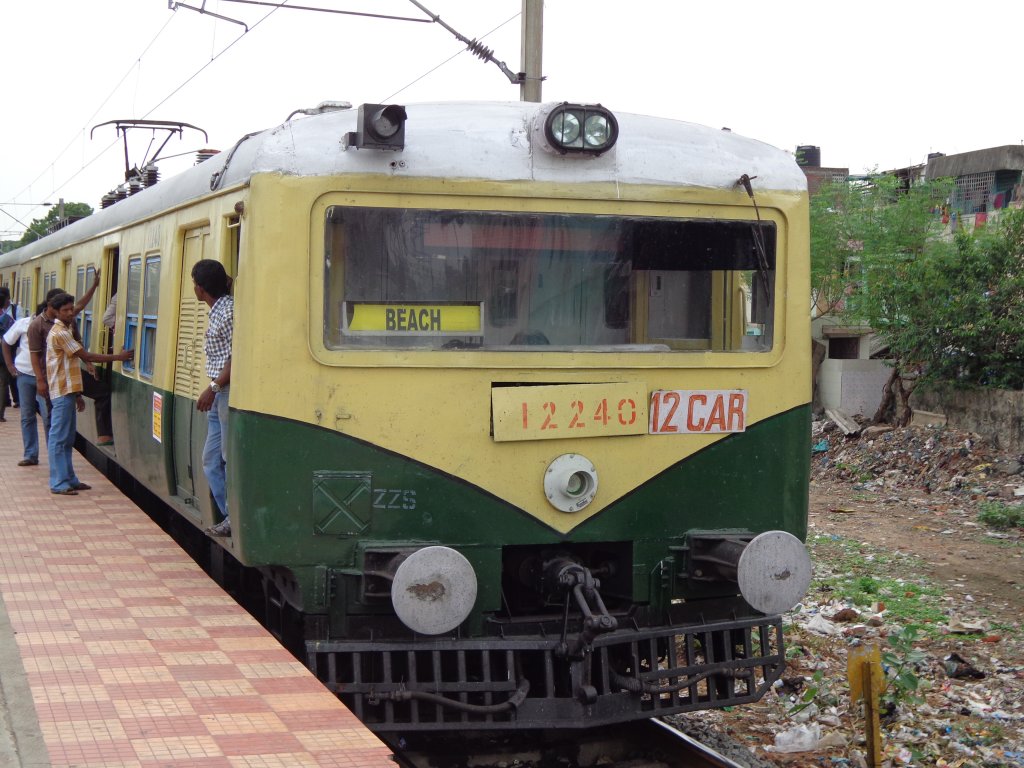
column 64, row 380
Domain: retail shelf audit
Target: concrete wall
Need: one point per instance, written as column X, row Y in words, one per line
column 852, row 386
column 996, row 414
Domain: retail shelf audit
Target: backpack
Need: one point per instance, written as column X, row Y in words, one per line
column 7, row 319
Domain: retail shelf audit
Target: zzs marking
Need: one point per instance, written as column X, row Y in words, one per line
column 394, row 498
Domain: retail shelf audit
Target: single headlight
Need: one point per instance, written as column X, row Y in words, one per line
column 566, row 129
column 597, row 131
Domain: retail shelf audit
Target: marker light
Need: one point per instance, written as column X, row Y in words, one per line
column 581, row 128
column 379, row 126
column 570, row 482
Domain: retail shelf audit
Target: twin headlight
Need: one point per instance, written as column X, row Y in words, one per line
column 581, row 128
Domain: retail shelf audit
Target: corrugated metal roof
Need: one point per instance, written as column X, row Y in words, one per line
column 1007, row 158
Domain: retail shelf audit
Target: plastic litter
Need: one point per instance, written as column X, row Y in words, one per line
column 802, row 738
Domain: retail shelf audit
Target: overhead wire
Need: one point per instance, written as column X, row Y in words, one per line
column 136, row 63
column 450, row 58
column 57, row 187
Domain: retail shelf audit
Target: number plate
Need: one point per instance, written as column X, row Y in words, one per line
column 688, row 411
column 569, row 410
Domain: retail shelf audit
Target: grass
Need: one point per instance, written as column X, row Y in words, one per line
column 1004, row 543
column 863, row 576
column 996, row 514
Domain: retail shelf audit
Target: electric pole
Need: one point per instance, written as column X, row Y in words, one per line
column 532, row 50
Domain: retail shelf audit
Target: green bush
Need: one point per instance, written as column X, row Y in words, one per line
column 995, row 514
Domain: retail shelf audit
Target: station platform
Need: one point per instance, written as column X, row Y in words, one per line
column 116, row 649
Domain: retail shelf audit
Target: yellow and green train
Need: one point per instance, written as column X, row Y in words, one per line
column 519, row 405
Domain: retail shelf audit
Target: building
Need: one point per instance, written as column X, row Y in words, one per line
column 987, row 181
column 809, row 159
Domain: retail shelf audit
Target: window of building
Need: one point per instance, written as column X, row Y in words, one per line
column 844, row 348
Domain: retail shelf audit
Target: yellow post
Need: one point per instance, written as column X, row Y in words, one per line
column 864, row 669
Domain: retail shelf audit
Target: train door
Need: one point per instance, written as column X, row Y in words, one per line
column 188, row 425
column 111, row 261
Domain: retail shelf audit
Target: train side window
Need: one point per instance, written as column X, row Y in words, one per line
column 150, row 304
column 131, row 326
column 89, row 312
column 79, row 291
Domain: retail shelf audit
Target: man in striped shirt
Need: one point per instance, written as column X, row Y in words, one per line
column 212, row 287
column 64, row 380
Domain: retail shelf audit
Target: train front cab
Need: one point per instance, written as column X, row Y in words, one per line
column 452, row 340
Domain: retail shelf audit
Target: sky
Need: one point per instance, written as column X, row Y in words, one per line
column 876, row 85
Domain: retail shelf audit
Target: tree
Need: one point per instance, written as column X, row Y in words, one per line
column 950, row 310
column 871, row 247
column 974, row 335
column 39, row 227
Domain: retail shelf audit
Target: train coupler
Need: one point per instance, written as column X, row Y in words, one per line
column 579, row 582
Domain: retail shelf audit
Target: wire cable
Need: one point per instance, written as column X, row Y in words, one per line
column 434, row 69
column 136, row 63
column 102, row 152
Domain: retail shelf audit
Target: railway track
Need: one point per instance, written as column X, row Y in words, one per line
column 641, row 744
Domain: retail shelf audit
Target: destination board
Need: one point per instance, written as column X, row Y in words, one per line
column 413, row 319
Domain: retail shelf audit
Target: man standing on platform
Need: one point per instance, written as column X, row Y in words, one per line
column 64, row 381
column 19, row 364
column 212, row 287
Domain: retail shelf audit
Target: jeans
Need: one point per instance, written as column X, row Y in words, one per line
column 31, row 404
column 61, row 442
column 215, row 452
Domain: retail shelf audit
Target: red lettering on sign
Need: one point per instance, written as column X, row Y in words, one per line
column 575, row 423
column 717, row 418
column 549, row 420
column 736, row 410
column 666, row 425
column 601, row 414
column 632, row 411
column 698, row 425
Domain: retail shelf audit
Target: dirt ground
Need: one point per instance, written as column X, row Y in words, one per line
column 902, row 508
column 941, row 533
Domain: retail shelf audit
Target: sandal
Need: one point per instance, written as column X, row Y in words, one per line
column 65, row 492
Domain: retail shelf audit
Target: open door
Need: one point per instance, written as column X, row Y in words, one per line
column 189, row 426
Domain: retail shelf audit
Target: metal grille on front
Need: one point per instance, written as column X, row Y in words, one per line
column 628, row 675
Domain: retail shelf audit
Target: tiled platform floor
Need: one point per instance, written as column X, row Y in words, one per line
column 134, row 657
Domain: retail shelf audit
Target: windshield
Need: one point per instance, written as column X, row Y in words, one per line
column 434, row 279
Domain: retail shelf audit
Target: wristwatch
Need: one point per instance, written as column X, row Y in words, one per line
column 214, row 387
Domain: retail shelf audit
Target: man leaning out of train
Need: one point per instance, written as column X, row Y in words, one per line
column 64, row 381
column 18, row 360
column 213, row 288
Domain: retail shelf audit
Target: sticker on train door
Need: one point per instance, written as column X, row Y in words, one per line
column 158, row 417
column 689, row 411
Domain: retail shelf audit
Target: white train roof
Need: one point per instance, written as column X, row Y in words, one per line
column 498, row 141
